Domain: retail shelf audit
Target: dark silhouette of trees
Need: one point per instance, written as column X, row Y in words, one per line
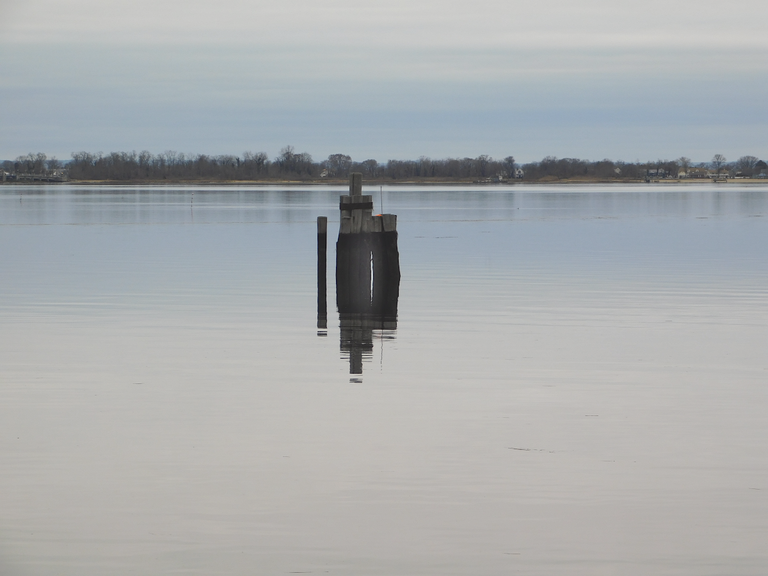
column 369, row 168
column 292, row 165
column 481, row 167
column 255, row 166
column 170, row 165
column 338, row 165
column 746, row 165
column 551, row 168
column 554, row 168
column 509, row 166
column 30, row 164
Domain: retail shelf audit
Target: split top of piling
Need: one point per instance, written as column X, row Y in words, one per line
column 355, row 183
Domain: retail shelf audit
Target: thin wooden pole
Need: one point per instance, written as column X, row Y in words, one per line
column 322, row 249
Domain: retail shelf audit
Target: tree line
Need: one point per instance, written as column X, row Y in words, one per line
column 293, row 165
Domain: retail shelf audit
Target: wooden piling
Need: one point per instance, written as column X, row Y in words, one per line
column 386, row 269
column 355, row 184
column 367, row 273
column 367, row 258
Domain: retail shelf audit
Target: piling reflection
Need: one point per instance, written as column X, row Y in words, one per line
column 357, row 335
column 367, row 292
column 322, row 301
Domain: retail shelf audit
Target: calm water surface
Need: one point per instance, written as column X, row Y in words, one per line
column 577, row 384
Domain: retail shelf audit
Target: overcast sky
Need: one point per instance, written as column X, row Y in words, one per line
column 397, row 79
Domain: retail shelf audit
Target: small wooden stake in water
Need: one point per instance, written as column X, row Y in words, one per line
column 322, row 301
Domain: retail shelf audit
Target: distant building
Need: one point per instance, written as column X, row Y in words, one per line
column 519, row 173
column 697, row 173
column 656, row 173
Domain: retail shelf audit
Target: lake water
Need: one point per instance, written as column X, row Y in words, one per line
column 577, row 384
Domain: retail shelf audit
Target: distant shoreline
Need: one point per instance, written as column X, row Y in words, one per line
column 389, row 182
column 295, row 169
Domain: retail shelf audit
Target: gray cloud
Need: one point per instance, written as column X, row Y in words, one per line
column 588, row 79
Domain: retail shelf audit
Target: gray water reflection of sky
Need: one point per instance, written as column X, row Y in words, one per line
column 576, row 383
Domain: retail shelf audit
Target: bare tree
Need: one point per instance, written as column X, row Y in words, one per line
column 747, row 164
column 718, row 161
column 509, row 166
column 370, row 168
column 304, row 164
column 255, row 164
column 287, row 159
column 339, row 164
column 31, row 163
column 482, row 164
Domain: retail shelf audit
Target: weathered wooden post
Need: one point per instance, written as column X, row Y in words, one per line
column 386, row 270
column 353, row 253
column 322, row 249
column 367, row 272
